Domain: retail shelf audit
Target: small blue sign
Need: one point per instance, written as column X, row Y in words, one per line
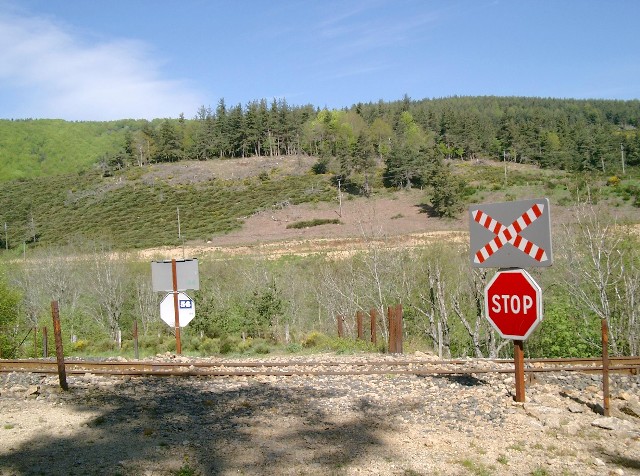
column 185, row 303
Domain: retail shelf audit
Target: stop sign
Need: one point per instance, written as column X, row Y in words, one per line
column 513, row 302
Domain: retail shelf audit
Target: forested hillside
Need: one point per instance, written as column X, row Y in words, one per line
column 74, row 195
column 34, row 148
column 559, row 133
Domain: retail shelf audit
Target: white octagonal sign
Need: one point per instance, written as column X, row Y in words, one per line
column 186, row 310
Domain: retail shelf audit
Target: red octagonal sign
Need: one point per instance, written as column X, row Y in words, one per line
column 513, row 302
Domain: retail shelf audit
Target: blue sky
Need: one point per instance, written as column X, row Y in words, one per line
column 116, row 59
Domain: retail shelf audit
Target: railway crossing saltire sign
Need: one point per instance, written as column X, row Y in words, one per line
column 511, row 234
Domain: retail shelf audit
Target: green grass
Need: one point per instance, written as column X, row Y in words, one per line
column 476, row 468
column 539, row 472
column 186, row 470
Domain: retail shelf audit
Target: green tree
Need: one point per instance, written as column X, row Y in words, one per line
column 264, row 311
column 203, row 140
column 381, row 133
column 9, row 301
column 169, row 148
column 447, row 191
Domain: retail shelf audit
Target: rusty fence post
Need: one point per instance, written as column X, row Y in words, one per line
column 360, row 324
column 605, row 367
column 399, row 333
column 340, row 320
column 45, row 343
column 62, row 374
column 136, row 354
column 373, row 317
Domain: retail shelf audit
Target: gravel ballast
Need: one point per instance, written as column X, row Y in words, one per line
column 373, row 424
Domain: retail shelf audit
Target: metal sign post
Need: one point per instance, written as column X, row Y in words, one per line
column 176, row 306
column 174, row 276
column 512, row 235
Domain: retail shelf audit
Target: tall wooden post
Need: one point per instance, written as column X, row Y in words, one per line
column 399, row 333
column 360, row 324
column 136, row 353
column 62, row 374
column 605, row 367
column 176, row 306
column 373, row 316
column 518, row 358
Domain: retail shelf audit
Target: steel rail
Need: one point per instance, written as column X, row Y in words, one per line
column 633, row 360
column 147, row 368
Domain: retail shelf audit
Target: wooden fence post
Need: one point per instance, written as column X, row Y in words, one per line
column 136, row 353
column 360, row 324
column 373, row 315
column 340, row 320
column 399, row 333
column 392, row 329
column 57, row 332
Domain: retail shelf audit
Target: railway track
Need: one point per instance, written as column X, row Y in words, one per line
column 629, row 365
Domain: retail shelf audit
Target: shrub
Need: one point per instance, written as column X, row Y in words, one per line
column 209, row 346
column 314, row 339
column 262, row 348
column 104, row 345
column 228, row 345
column 294, row 348
column 321, row 166
column 350, row 346
column 80, row 345
column 315, row 222
column 245, row 345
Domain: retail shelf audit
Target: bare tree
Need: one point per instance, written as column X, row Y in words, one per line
column 50, row 274
column 147, row 304
column 469, row 307
column 108, row 283
column 601, row 261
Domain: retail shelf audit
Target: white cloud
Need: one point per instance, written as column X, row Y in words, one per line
column 48, row 72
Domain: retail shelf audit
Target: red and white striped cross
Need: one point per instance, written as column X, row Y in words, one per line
column 509, row 234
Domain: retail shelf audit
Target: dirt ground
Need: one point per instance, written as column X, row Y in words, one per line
column 397, row 220
column 406, row 425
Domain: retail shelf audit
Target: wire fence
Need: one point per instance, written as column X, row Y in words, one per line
column 23, row 342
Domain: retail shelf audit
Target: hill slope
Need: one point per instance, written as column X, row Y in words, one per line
column 238, row 202
column 36, row 148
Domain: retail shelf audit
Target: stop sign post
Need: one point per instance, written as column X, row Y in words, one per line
column 513, row 302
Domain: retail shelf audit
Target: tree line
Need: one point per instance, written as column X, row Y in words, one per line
column 577, row 135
